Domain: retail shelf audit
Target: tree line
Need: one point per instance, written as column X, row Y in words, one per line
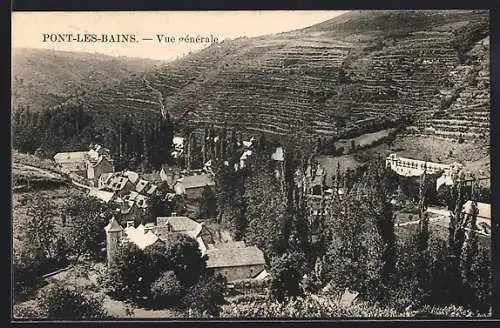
column 135, row 142
column 358, row 247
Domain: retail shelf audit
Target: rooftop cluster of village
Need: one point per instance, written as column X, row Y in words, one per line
column 130, row 193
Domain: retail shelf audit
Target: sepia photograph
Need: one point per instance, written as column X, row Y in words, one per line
column 235, row 165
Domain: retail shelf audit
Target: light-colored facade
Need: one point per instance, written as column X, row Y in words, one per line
column 413, row 167
column 91, row 164
column 483, row 214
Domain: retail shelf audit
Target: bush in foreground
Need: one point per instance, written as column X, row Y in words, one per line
column 204, row 298
column 313, row 306
column 167, row 289
column 60, row 301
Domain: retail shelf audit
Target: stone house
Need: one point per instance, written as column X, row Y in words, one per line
column 236, row 263
column 192, row 186
column 90, row 164
column 72, row 162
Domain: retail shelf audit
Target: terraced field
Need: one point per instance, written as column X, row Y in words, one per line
column 468, row 114
column 383, row 65
column 350, row 68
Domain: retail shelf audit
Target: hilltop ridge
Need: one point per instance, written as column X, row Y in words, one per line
column 360, row 70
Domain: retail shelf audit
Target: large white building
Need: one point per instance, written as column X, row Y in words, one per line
column 413, row 167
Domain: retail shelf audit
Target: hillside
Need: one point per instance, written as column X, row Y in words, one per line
column 359, row 72
column 32, row 173
column 356, row 66
column 45, row 78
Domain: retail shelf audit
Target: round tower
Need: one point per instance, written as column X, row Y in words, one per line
column 113, row 235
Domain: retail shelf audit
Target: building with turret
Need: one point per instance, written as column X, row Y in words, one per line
column 114, row 232
column 234, row 260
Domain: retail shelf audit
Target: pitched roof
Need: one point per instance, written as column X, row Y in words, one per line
column 126, row 206
column 140, row 236
column 105, row 177
column 132, row 196
column 197, row 181
column 70, row 157
column 141, row 185
column 232, row 257
column 141, row 201
column 117, row 182
column 113, row 226
column 180, row 224
column 262, row 275
column 179, row 141
column 132, row 176
column 105, row 196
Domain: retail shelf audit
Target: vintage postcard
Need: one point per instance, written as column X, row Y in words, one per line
column 251, row 165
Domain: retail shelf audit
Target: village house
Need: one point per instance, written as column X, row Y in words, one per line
column 145, row 235
column 244, row 158
column 141, row 186
column 102, row 195
column 120, row 184
column 183, row 225
column 192, row 186
column 91, row 164
column 178, row 146
column 98, row 162
column 152, row 189
column 132, row 176
column 169, row 175
column 102, row 182
column 236, row 263
column 72, row 162
column 278, row 155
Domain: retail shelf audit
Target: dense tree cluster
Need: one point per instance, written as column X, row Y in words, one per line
column 362, row 252
column 62, row 301
column 164, row 274
column 54, row 236
column 135, row 142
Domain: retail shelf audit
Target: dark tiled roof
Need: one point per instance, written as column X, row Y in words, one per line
column 179, row 223
column 197, row 181
column 232, row 257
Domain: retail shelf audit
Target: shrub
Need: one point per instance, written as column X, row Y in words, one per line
column 130, row 276
column 135, row 270
column 314, row 306
column 179, row 253
column 27, row 311
column 205, row 298
column 287, row 271
column 167, row 289
column 60, row 301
